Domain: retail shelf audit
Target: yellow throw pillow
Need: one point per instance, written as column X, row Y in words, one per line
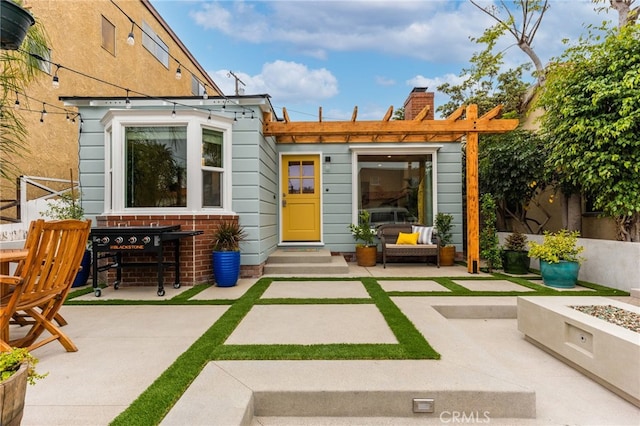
column 408, row 239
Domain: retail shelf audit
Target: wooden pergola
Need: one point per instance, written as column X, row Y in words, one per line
column 463, row 123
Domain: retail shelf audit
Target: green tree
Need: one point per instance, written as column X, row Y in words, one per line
column 489, row 244
column 523, row 30
column 512, row 169
column 592, row 121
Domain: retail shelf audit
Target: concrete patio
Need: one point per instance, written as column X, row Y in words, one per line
column 487, row 367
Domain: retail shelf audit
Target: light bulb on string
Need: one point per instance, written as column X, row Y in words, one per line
column 205, row 95
column 131, row 38
column 44, row 110
column 55, row 82
column 173, row 113
column 16, row 104
column 127, row 102
column 209, row 118
column 178, row 73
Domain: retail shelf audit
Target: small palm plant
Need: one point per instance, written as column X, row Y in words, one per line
column 228, row 236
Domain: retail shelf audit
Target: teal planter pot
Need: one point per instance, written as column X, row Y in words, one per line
column 560, row 275
column 226, row 268
column 14, row 24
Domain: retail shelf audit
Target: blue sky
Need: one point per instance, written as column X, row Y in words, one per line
column 341, row 54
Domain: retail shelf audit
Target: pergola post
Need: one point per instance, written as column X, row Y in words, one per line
column 473, row 196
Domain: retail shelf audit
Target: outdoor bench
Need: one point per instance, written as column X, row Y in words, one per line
column 388, row 236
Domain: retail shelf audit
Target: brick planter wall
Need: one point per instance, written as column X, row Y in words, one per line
column 195, row 252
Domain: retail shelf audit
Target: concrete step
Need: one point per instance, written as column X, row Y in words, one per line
column 328, row 389
column 300, row 255
column 333, row 265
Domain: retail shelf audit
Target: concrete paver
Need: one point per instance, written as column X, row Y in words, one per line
column 123, row 349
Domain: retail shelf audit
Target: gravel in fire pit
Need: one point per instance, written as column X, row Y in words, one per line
column 613, row 314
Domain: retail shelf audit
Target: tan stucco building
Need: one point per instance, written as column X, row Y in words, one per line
column 89, row 40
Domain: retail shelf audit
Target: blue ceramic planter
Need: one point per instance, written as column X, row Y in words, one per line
column 226, row 268
column 83, row 274
column 560, row 275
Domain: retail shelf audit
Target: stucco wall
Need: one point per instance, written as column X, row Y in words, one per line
column 74, row 30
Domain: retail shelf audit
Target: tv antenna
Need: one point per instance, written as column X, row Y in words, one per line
column 239, row 90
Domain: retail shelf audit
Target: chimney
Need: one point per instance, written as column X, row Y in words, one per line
column 417, row 100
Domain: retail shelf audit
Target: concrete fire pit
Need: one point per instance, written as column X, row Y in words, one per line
column 602, row 350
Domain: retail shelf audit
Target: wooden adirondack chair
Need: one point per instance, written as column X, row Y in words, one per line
column 42, row 281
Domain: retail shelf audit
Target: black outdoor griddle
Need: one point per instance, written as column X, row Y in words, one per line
column 111, row 242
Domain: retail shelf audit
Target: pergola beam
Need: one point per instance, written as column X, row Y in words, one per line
column 381, row 128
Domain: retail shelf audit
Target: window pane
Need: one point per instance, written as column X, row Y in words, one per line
column 307, row 168
column 211, row 189
column 294, row 186
column 108, row 36
column 211, row 148
column 294, row 168
column 308, row 186
column 152, row 42
column 396, row 189
column 156, row 174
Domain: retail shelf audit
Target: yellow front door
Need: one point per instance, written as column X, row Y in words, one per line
column 300, row 198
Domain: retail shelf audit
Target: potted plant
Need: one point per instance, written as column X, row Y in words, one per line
column 68, row 206
column 17, row 368
column 515, row 255
column 226, row 253
column 15, row 21
column 559, row 256
column 443, row 226
column 366, row 249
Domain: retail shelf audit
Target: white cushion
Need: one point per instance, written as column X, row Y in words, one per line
column 424, row 233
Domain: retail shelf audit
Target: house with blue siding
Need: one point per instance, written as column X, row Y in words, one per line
column 195, row 162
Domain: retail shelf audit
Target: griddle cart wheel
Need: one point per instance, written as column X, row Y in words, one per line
column 116, row 285
column 176, row 285
column 98, row 292
column 161, row 293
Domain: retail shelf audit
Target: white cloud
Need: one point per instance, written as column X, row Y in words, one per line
column 433, row 30
column 384, row 81
column 284, row 81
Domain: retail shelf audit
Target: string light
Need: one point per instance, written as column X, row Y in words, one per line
column 131, row 40
column 43, row 113
column 209, row 118
column 56, row 81
column 128, row 104
column 16, row 104
column 173, row 113
column 178, row 72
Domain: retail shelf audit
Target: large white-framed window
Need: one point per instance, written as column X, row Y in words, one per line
column 395, row 184
column 158, row 164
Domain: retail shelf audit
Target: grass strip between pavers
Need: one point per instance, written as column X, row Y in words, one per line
column 158, row 399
